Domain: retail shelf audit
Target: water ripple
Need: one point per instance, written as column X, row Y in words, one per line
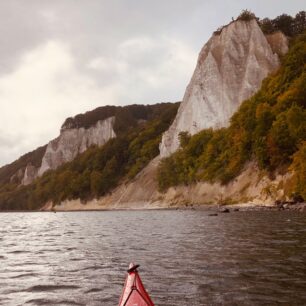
column 186, row 257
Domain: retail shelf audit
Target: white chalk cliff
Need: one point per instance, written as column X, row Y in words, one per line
column 73, row 141
column 230, row 69
column 30, row 173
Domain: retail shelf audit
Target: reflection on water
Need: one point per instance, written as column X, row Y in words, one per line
column 186, row 257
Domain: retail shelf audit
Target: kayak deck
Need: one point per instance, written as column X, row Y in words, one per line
column 134, row 292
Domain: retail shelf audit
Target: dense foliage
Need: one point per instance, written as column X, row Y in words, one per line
column 289, row 25
column 270, row 128
column 299, row 169
column 10, row 172
column 246, row 15
column 99, row 169
column 126, row 116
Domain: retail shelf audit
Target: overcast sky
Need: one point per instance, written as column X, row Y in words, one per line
column 62, row 57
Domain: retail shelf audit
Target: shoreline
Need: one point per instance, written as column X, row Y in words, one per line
column 215, row 208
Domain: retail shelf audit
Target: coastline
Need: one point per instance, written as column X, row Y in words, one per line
column 100, row 205
column 213, row 208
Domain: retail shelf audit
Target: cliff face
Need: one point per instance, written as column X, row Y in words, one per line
column 278, row 42
column 30, row 173
column 230, row 68
column 72, row 142
column 77, row 134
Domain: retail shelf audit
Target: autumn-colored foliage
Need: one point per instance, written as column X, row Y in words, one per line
column 298, row 167
column 270, row 128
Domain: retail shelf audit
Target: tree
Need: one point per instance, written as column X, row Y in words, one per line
column 267, row 26
column 284, row 23
column 281, row 144
column 184, row 138
column 300, row 22
column 299, row 171
column 96, row 183
column 246, row 15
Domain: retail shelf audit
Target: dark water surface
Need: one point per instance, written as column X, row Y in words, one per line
column 186, row 257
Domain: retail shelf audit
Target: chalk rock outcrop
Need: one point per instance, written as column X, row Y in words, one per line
column 30, row 173
column 278, row 42
column 72, row 142
column 230, row 68
column 18, row 176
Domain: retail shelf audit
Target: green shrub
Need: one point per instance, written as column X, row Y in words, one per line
column 246, row 15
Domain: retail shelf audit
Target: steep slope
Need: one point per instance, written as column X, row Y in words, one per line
column 77, row 134
column 73, row 141
column 269, row 129
column 251, row 187
column 92, row 128
column 14, row 172
column 230, row 68
column 99, row 169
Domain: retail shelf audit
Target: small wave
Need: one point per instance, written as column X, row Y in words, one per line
column 71, row 249
column 25, row 275
column 52, row 302
column 27, row 263
column 10, row 245
column 19, row 252
column 42, row 251
column 76, row 259
column 53, row 235
column 40, row 288
column 93, row 268
column 93, row 290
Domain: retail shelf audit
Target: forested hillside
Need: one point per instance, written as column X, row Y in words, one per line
column 269, row 128
column 9, row 173
column 99, row 169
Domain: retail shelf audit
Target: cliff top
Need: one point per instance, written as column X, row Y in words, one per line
column 288, row 25
column 126, row 116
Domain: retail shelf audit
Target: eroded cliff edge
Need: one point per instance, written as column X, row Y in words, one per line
column 73, row 141
column 70, row 143
column 230, row 69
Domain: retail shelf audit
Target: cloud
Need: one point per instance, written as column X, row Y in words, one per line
column 44, row 90
column 148, row 70
column 47, row 86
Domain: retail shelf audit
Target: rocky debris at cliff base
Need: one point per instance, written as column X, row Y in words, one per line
column 224, row 210
column 212, row 209
column 287, row 206
column 293, row 206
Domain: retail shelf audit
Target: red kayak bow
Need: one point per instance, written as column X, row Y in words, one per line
column 134, row 293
